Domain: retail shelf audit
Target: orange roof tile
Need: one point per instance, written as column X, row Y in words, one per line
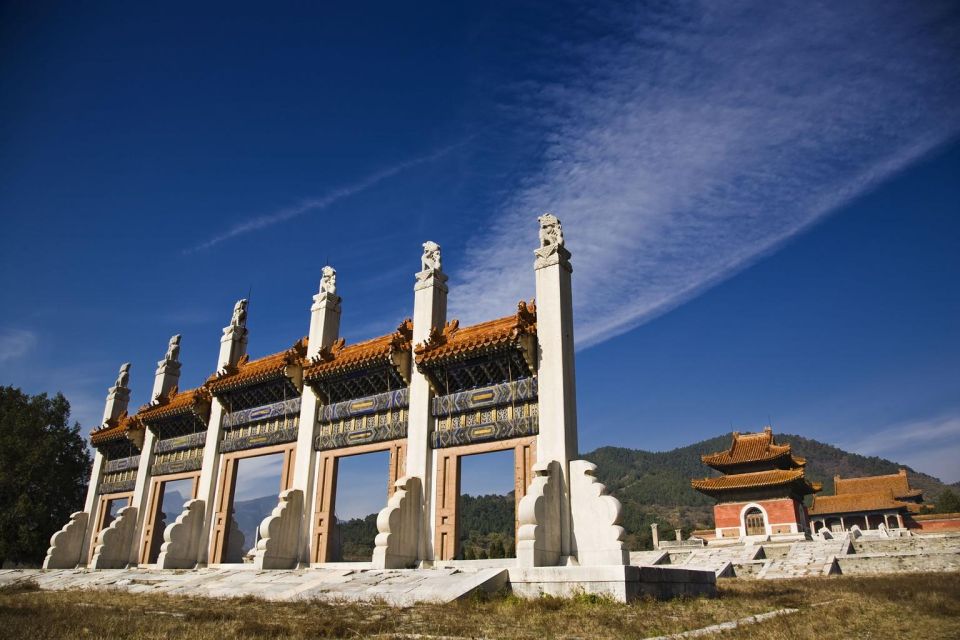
column 751, row 447
column 871, row 501
column 249, row 372
column 177, row 403
column 340, row 358
column 453, row 341
column 115, row 429
column 897, row 484
column 771, row 478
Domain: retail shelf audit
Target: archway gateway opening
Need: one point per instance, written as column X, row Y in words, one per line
column 327, row 543
column 109, row 509
column 360, row 493
column 168, row 494
column 448, row 479
column 250, row 485
column 754, row 522
column 487, row 507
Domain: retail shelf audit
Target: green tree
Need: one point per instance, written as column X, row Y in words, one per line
column 948, row 502
column 44, row 468
column 496, row 549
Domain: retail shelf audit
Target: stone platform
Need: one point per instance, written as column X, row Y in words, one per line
column 399, row 587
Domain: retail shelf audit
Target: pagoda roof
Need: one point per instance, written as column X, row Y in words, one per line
column 747, row 448
column 251, row 372
column 177, row 403
column 896, row 484
column 116, row 429
column 756, row 480
column 454, row 342
column 855, row 502
column 340, row 358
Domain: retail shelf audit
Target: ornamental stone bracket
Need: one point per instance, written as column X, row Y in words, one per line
column 66, row 545
column 114, row 542
column 540, row 517
column 597, row 537
column 181, row 538
column 399, row 526
column 280, row 533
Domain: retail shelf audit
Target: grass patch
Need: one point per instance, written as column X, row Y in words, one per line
column 895, row 606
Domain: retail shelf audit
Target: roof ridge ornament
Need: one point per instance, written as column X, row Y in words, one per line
column 173, row 350
column 123, row 377
column 551, row 250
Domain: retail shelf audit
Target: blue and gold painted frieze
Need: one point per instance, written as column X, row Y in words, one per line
column 398, row 399
column 189, row 441
column 255, row 440
column 264, row 412
column 121, row 464
column 496, row 430
column 394, row 430
column 498, row 394
column 117, row 487
column 176, row 466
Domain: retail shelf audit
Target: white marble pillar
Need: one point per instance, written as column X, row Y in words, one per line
column 429, row 311
column 165, row 379
column 324, row 331
column 557, row 389
column 118, row 399
column 233, row 346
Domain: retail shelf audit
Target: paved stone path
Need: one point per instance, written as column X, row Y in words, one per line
column 395, row 587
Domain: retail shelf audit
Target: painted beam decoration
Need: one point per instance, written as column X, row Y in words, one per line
column 275, row 423
column 119, row 474
column 375, row 418
column 497, row 412
column 498, row 394
column 264, row 412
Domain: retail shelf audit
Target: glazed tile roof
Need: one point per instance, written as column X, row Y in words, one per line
column 250, row 372
column 749, row 448
column 116, row 429
column 454, row 342
column 196, row 401
column 341, row 358
column 848, row 503
column 897, row 484
column 756, row 479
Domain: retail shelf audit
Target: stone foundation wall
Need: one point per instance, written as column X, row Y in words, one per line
column 898, row 563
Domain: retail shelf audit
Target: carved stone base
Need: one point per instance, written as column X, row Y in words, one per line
column 181, row 538
column 597, row 537
column 540, row 517
column 66, row 545
column 115, row 542
column 399, row 526
column 280, row 533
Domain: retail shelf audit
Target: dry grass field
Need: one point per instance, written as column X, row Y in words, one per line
column 887, row 607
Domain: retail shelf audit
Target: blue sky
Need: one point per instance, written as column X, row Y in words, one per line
column 762, row 201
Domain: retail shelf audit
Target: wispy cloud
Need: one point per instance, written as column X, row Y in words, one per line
column 15, row 343
column 931, row 445
column 322, row 202
column 682, row 151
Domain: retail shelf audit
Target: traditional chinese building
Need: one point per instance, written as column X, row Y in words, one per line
column 868, row 503
column 761, row 491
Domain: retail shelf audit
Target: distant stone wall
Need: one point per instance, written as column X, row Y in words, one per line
column 898, row 563
column 934, row 522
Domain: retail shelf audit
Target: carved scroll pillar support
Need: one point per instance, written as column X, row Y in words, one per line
column 429, row 311
column 398, row 525
column 597, row 537
column 66, row 545
column 181, row 538
column 279, row 542
column 557, row 387
column 324, row 331
column 114, row 542
column 539, row 515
